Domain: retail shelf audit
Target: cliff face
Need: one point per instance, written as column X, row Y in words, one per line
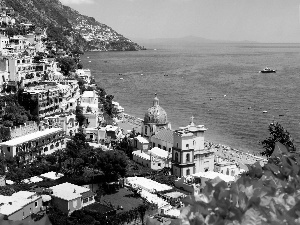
column 68, row 27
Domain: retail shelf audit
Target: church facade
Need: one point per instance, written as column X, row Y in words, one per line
column 188, row 153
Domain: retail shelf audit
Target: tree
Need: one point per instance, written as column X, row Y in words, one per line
column 113, row 164
column 67, row 65
column 79, row 115
column 277, row 134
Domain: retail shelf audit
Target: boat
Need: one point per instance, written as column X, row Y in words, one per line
column 267, row 70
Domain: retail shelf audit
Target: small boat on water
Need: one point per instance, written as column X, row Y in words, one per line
column 267, row 70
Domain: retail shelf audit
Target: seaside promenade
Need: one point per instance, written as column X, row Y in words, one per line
column 128, row 122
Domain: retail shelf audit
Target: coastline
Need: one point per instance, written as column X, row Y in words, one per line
column 224, row 152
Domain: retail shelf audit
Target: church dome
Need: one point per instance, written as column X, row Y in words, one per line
column 156, row 114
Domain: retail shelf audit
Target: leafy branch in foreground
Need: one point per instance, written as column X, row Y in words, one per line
column 263, row 195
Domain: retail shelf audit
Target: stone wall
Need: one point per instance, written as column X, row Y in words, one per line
column 27, row 128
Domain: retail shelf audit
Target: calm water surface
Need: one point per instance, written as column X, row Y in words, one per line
column 218, row 84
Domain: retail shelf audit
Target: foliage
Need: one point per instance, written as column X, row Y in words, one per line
column 57, row 217
column 277, row 134
column 80, row 118
column 87, row 216
column 67, row 65
column 113, row 164
column 13, row 114
column 6, row 191
column 263, row 195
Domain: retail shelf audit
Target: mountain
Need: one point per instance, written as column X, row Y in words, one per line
column 68, row 27
column 181, row 41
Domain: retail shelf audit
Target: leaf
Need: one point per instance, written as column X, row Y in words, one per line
column 242, row 201
column 273, row 168
column 251, row 217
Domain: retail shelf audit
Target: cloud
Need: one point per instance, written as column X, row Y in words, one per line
column 76, row 2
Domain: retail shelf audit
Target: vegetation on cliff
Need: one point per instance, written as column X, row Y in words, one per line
column 67, row 27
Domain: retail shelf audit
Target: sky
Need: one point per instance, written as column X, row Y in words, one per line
column 232, row 20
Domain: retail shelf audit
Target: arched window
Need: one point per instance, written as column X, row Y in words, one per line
column 227, row 172
column 188, row 172
column 176, row 157
column 187, row 157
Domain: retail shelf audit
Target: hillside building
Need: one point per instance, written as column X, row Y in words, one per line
column 33, row 144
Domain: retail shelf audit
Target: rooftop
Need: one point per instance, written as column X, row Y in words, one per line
column 30, row 137
column 142, row 140
column 88, row 94
column 15, row 202
column 159, row 152
column 68, row 191
column 165, row 135
column 212, row 175
column 141, row 154
column 52, row 175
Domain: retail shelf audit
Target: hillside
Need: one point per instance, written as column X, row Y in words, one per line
column 68, row 27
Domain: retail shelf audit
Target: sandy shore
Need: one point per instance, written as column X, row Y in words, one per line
column 234, row 155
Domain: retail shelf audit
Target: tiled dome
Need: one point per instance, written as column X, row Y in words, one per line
column 156, row 114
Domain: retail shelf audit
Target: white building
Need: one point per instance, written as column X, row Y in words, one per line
column 33, row 144
column 189, row 155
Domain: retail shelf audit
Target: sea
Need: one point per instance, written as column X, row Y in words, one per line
column 219, row 84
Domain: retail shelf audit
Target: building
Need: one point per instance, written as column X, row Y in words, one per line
column 196, row 182
column 84, row 74
column 188, row 153
column 67, row 122
column 163, row 139
column 33, row 144
column 20, row 205
column 227, row 168
column 141, row 143
column 95, row 134
column 46, row 99
column 21, row 130
column 155, row 158
column 155, row 119
column 70, row 197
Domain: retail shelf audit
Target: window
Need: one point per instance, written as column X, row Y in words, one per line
column 169, row 149
column 187, row 145
column 188, row 172
column 146, row 130
column 8, row 149
column 45, row 149
column 206, row 169
column 36, row 204
column 153, row 145
column 85, row 200
column 187, row 157
column 164, row 148
column 91, row 198
column 159, row 146
column 177, row 145
column 194, row 142
column 176, row 157
column 232, row 172
column 159, row 164
column 91, row 136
